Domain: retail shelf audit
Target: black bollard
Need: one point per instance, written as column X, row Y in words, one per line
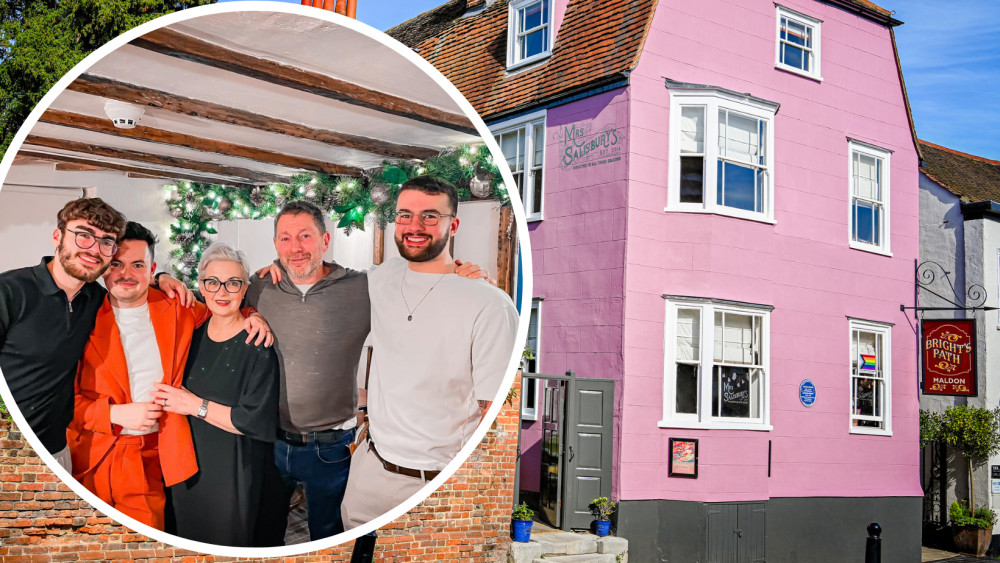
column 364, row 549
column 873, row 546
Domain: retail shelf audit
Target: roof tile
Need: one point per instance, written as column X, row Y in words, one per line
column 972, row 178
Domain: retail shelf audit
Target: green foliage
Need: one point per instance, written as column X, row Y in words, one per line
column 522, row 512
column 930, row 427
column 973, row 431
column 348, row 201
column 961, row 516
column 527, row 355
column 602, row 508
column 41, row 40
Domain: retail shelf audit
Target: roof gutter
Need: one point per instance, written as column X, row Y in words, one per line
column 981, row 209
column 867, row 12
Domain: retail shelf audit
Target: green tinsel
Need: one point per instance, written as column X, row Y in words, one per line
column 346, row 200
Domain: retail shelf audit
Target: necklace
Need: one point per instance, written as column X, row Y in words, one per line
column 410, row 311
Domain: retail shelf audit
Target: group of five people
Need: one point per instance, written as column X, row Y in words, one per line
column 165, row 400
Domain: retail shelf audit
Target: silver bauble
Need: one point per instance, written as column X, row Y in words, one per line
column 176, row 212
column 225, row 205
column 380, row 194
column 479, row 185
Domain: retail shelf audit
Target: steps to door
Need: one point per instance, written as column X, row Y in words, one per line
column 567, row 547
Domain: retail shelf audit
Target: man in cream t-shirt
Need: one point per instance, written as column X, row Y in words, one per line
column 442, row 344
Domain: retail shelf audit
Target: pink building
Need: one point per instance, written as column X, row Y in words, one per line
column 723, row 205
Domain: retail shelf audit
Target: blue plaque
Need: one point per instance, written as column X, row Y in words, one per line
column 807, row 393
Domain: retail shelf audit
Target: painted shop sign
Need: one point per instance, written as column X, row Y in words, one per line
column 949, row 349
column 581, row 145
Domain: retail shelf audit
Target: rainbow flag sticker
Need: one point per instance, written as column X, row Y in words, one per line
column 868, row 362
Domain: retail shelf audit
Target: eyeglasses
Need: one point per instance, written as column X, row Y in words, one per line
column 232, row 285
column 85, row 240
column 428, row 218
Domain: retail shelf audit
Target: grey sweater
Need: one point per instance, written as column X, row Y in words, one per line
column 319, row 338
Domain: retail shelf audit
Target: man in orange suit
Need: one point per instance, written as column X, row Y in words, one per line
column 124, row 446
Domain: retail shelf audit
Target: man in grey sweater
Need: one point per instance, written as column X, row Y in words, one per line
column 320, row 314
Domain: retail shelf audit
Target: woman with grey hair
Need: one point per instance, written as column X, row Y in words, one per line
column 230, row 396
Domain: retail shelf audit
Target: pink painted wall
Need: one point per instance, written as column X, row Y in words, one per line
column 578, row 252
column 801, row 265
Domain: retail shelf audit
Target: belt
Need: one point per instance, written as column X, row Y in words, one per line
column 303, row 438
column 393, row 468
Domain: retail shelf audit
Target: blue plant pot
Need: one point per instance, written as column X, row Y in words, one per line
column 602, row 527
column 522, row 530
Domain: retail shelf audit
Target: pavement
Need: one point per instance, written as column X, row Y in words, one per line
column 940, row 556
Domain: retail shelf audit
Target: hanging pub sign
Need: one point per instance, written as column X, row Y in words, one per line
column 949, row 347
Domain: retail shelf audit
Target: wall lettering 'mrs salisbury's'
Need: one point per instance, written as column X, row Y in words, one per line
column 580, row 146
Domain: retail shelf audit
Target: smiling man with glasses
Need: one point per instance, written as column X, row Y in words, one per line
column 441, row 344
column 46, row 315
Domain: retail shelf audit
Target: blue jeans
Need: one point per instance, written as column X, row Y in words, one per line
column 322, row 468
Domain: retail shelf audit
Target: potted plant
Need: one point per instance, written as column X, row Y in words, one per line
column 520, row 520
column 602, row 509
column 974, row 432
column 973, row 530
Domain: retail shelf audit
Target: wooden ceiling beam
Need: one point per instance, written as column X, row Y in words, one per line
column 108, row 88
column 167, row 174
column 250, row 176
column 169, row 42
column 173, row 138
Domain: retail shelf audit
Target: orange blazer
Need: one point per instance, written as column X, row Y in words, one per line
column 102, row 381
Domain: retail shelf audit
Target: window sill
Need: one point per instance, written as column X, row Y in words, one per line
column 716, row 425
column 800, row 72
column 537, row 217
column 511, row 67
column 869, row 248
column 870, row 431
column 722, row 212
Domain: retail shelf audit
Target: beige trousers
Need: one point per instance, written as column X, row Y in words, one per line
column 371, row 490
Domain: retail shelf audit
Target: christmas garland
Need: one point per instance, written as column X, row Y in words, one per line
column 352, row 202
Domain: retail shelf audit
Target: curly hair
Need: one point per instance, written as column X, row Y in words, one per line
column 95, row 211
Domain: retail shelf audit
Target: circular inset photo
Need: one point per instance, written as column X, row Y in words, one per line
column 259, row 281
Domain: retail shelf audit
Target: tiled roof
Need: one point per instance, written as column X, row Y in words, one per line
column 972, row 178
column 597, row 43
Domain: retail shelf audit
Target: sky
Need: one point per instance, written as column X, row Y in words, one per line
column 949, row 50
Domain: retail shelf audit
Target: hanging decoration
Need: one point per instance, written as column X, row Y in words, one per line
column 350, row 202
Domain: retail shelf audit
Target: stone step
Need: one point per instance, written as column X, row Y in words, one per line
column 579, row 558
column 566, row 543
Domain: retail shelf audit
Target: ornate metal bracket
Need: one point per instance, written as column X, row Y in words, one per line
column 927, row 275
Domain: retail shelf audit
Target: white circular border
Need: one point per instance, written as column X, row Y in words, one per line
column 523, row 240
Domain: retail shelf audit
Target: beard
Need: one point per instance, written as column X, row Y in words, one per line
column 303, row 272
column 75, row 269
column 428, row 253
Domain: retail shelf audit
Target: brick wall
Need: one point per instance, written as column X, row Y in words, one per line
column 468, row 519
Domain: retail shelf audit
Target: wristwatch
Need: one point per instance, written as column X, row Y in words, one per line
column 203, row 409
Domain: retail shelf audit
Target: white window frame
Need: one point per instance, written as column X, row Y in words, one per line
column 862, row 148
column 529, row 411
column 703, row 418
column 815, row 59
column 513, row 58
column 713, row 100
column 528, row 123
column 885, row 330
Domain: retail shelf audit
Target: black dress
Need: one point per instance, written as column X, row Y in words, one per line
column 220, row 503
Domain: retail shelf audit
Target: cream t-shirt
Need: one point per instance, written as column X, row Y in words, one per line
column 142, row 355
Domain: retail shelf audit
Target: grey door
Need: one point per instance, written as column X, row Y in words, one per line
column 553, row 414
column 736, row 533
column 587, row 464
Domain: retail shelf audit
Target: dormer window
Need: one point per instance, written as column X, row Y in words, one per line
column 530, row 32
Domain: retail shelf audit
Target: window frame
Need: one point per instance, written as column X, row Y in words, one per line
column 525, row 122
column 814, row 51
column 885, row 246
column 714, row 100
column 706, row 363
column 513, row 60
column 885, row 330
column 529, row 411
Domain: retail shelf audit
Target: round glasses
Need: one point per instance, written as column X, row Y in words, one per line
column 428, row 218
column 86, row 240
column 232, row 285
